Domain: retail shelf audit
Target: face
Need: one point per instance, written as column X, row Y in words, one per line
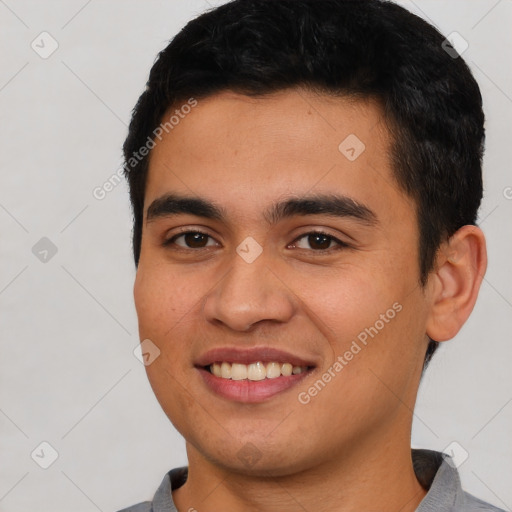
column 276, row 241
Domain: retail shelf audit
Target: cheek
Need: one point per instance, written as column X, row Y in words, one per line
column 342, row 303
column 162, row 305
column 367, row 317
column 161, row 300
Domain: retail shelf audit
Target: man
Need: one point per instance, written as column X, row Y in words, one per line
column 305, row 177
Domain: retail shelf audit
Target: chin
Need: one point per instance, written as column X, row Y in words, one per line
column 256, row 457
column 270, row 466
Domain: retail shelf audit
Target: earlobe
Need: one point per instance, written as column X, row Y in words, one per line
column 460, row 268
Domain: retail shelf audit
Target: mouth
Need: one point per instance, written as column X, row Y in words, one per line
column 251, row 375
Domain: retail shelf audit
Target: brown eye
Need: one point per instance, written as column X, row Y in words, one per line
column 195, row 240
column 319, row 242
column 191, row 240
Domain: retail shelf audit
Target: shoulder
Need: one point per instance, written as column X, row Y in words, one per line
column 162, row 500
column 140, row 507
column 474, row 504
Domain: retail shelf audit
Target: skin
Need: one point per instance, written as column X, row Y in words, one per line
column 348, row 449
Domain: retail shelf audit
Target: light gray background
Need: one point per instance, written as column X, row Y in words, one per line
column 68, row 325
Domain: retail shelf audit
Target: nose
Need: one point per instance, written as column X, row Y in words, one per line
column 249, row 293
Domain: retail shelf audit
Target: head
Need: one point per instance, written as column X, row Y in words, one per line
column 254, row 103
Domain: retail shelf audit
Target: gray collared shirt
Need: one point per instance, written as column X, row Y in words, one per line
column 434, row 470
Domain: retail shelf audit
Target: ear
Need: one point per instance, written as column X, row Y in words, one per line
column 460, row 267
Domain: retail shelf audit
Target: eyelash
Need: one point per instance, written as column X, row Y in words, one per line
column 340, row 244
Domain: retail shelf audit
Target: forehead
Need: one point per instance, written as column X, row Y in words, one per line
column 239, row 149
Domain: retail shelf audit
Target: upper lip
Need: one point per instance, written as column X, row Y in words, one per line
column 251, row 355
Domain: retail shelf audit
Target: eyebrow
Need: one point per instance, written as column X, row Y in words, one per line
column 333, row 205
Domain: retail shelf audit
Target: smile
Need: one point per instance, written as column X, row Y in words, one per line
column 252, row 375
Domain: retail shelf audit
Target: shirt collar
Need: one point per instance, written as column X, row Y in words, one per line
column 444, row 490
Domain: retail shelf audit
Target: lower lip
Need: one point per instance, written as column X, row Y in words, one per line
column 250, row 391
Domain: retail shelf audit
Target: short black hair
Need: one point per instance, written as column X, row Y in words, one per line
column 357, row 48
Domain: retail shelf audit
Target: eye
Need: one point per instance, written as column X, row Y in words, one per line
column 191, row 240
column 318, row 241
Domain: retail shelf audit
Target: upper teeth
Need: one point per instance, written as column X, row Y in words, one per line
column 254, row 371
